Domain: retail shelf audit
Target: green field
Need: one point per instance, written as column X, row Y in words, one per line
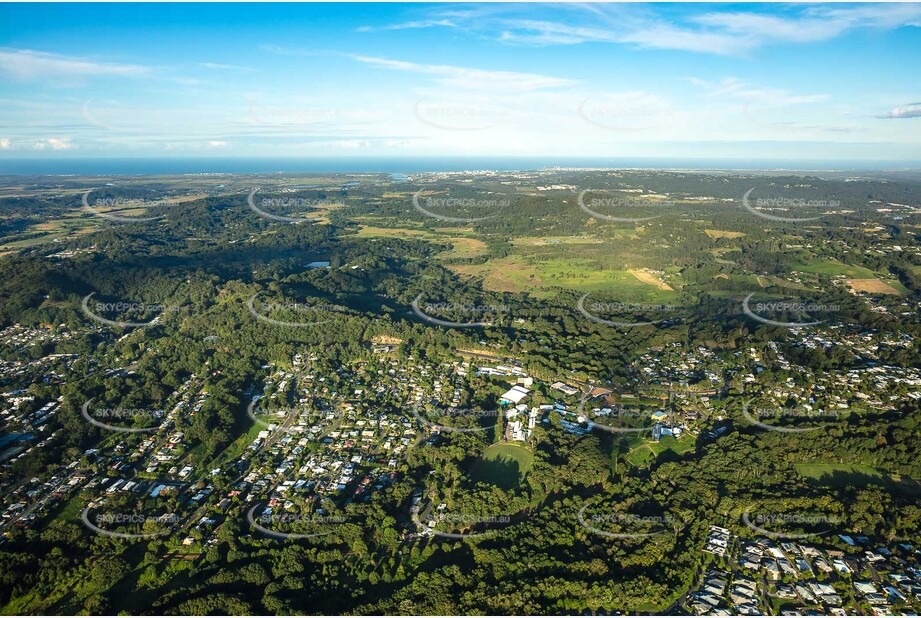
column 682, row 445
column 238, row 446
column 640, row 456
column 839, row 475
column 834, row 267
column 69, row 511
column 538, row 241
column 640, row 451
column 463, row 245
column 517, row 273
column 816, row 471
column 504, row 465
column 897, row 285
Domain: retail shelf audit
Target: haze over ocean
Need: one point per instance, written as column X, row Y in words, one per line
column 79, row 166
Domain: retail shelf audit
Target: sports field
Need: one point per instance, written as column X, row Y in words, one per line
column 504, row 465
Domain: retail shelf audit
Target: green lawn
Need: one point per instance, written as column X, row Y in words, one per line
column 583, row 275
column 817, row 470
column 238, row 446
column 539, row 273
column 633, row 449
column 839, row 475
column 642, row 450
column 834, row 267
column 504, row 465
column 667, row 443
column 69, row 511
column 640, row 457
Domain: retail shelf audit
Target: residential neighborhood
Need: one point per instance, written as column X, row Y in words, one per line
column 831, row 574
column 324, row 437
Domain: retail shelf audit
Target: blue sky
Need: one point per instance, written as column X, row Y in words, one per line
column 739, row 81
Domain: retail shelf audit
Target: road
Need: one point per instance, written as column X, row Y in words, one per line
column 681, row 602
column 279, row 431
column 40, row 502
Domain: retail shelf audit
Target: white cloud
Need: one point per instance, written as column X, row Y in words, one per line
column 912, row 110
column 541, row 32
column 717, row 32
column 626, row 111
column 423, row 23
column 652, row 35
column 746, row 30
column 351, row 144
column 666, row 36
column 287, row 50
column 26, row 64
column 471, row 79
column 54, row 143
column 5, row 143
column 217, row 144
column 225, row 67
column 777, row 108
column 732, row 88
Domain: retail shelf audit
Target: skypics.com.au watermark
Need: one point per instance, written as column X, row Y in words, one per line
column 776, row 308
column 98, row 520
column 489, row 524
column 122, row 414
column 619, row 420
column 100, row 204
column 268, row 518
column 288, row 203
column 121, row 307
column 629, row 112
column 597, row 523
column 420, row 412
column 287, row 416
column 459, row 115
column 767, row 417
column 320, row 314
column 618, row 208
column 456, row 308
column 483, row 205
column 303, row 119
column 134, row 518
column 596, row 308
column 767, row 523
column 786, row 204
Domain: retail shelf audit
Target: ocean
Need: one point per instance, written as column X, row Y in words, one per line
column 405, row 165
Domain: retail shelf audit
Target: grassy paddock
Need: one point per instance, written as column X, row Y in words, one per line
column 504, row 465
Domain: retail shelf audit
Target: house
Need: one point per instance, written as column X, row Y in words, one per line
column 516, row 432
column 718, row 541
column 564, row 388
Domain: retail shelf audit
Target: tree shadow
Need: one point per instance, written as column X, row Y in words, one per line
column 503, row 472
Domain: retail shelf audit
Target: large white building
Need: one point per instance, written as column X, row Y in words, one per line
column 515, row 395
